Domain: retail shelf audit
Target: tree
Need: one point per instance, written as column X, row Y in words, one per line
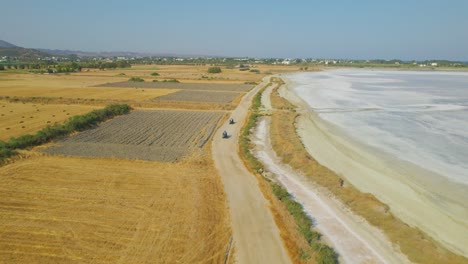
column 214, row 70
column 2, row 68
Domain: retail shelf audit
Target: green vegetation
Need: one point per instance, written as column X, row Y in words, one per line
column 120, row 74
column 244, row 140
column 5, row 151
column 252, row 83
column 136, row 79
column 326, row 255
column 75, row 123
column 154, row 74
column 255, row 70
column 214, row 70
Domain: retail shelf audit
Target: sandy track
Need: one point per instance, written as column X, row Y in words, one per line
column 256, row 236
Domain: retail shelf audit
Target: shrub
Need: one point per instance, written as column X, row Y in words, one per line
column 255, row 70
column 136, row 79
column 154, row 74
column 5, row 151
column 121, row 74
column 252, row 83
column 214, row 70
column 171, row 81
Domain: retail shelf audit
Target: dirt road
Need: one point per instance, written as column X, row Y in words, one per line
column 255, row 235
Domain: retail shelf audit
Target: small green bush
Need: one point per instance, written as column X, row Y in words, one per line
column 214, row 70
column 154, row 74
column 252, row 83
column 136, row 79
column 171, row 81
column 255, row 70
column 5, row 151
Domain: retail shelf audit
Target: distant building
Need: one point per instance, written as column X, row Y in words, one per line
column 434, row 64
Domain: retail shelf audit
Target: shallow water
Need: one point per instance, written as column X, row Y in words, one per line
column 417, row 117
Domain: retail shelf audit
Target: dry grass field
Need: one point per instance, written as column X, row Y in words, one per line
column 86, row 210
column 148, row 135
column 17, row 119
column 61, row 85
column 60, row 209
column 190, row 73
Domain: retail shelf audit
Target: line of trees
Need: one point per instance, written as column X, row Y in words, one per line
column 68, row 66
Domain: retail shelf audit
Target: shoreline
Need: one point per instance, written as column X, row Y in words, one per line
column 432, row 205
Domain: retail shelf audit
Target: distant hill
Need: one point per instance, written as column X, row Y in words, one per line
column 80, row 53
column 4, row 44
column 57, row 52
column 11, row 50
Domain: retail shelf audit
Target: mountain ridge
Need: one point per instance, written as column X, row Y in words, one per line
column 4, row 44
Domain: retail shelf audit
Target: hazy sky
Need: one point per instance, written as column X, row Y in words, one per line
column 360, row 29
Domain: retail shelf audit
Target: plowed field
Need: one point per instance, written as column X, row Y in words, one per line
column 148, row 135
column 200, row 96
column 182, row 86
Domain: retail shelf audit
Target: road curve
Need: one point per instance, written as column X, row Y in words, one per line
column 255, row 235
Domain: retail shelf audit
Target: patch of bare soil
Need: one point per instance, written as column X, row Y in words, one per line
column 161, row 135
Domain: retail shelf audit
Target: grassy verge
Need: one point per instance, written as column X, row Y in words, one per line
column 418, row 246
column 75, row 123
column 302, row 240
